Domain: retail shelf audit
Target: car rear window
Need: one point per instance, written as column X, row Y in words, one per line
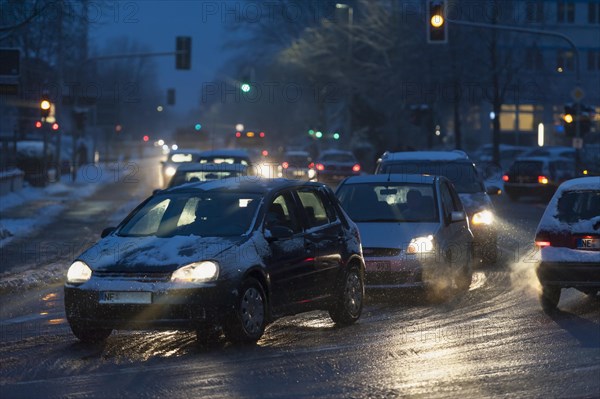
column 574, row 206
column 527, row 168
column 338, row 158
column 464, row 176
column 181, row 157
column 228, row 160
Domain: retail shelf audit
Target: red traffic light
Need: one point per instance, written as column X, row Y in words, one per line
column 146, row 138
column 38, row 124
column 55, row 126
column 262, row 134
column 238, row 134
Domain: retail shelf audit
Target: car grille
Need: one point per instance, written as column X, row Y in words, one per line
column 144, row 277
column 393, row 278
column 381, row 252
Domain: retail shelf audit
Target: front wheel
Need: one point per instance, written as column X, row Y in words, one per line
column 89, row 335
column 248, row 321
column 549, row 298
column 349, row 302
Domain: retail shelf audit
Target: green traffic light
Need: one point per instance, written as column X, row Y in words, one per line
column 198, row 126
column 311, row 132
column 336, row 136
column 319, row 135
column 245, row 87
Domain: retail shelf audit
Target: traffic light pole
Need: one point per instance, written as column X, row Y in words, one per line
column 541, row 33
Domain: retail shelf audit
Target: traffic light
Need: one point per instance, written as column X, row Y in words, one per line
column 574, row 114
column 437, row 27
column 183, row 49
column 197, row 127
column 45, row 106
column 245, row 84
column 336, row 136
column 170, row 96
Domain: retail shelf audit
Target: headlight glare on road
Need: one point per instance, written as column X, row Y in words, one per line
column 197, row 272
column 170, row 171
column 483, row 217
column 420, row 245
column 79, row 273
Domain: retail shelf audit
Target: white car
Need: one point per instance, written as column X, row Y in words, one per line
column 569, row 240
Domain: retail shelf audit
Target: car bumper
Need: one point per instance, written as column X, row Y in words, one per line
column 484, row 236
column 172, row 305
column 569, row 274
column 529, row 189
column 407, row 271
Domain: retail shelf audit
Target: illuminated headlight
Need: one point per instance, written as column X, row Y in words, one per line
column 170, row 171
column 420, row 245
column 78, row 273
column 311, row 173
column 197, row 272
column 483, row 217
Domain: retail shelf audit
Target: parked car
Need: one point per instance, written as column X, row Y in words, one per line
column 569, row 240
column 537, row 176
column 297, row 165
column 174, row 159
column 201, row 172
column 468, row 182
column 414, row 231
column 333, row 166
column 230, row 255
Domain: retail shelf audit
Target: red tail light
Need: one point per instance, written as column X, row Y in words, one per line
column 311, row 165
column 505, row 178
column 542, row 244
column 320, row 166
column 285, row 165
column 356, row 168
column 542, row 180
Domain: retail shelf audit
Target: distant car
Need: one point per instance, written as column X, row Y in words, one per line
column 468, row 182
column 201, row 172
column 414, row 231
column 552, row 152
column 174, row 159
column 537, row 176
column 230, row 255
column 297, row 165
column 569, row 240
column 333, row 166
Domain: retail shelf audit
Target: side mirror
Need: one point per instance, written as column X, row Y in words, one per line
column 107, row 231
column 457, row 216
column 275, row 233
column 493, row 190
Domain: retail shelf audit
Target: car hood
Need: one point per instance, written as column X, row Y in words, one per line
column 154, row 254
column 475, row 202
column 393, row 235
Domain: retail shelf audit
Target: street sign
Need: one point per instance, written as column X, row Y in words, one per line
column 577, row 94
column 577, row 143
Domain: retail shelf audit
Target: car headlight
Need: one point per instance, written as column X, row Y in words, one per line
column 311, row 173
column 79, row 273
column 170, row 171
column 420, row 245
column 483, row 217
column 197, row 272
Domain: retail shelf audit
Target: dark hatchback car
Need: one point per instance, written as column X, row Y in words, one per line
column 569, row 240
column 229, row 255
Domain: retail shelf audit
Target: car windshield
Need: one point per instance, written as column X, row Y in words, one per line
column 463, row 175
column 213, row 214
column 338, row 157
column 388, row 203
column 200, row 176
column 297, row 161
column 574, row 206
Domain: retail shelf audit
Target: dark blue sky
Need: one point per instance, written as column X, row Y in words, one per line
column 156, row 24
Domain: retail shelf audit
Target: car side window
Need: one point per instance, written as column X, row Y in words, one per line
column 314, row 209
column 282, row 212
column 329, row 206
column 446, row 200
column 456, row 202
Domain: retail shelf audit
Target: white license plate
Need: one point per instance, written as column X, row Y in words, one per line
column 379, row 266
column 588, row 243
column 125, row 297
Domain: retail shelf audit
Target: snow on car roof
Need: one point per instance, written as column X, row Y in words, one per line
column 541, row 158
column 392, row 178
column 425, row 156
column 185, row 151
column 296, row 153
column 328, row 152
column 224, row 152
column 581, row 183
column 249, row 184
column 211, row 167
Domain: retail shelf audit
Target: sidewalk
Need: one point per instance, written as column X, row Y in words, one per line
column 53, row 225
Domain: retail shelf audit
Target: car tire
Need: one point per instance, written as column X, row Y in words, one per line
column 90, row 335
column 350, row 297
column 247, row 323
column 549, row 298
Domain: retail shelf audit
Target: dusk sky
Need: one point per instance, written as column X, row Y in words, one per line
column 156, row 24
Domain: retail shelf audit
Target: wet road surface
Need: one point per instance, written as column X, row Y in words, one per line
column 493, row 340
